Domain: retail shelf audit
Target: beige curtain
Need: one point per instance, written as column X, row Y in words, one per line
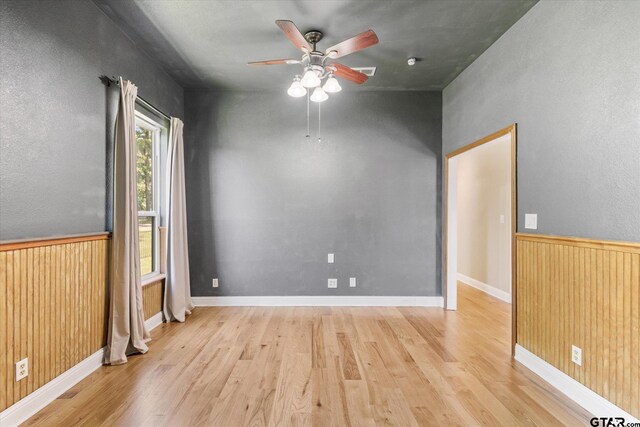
column 127, row 332
column 177, row 295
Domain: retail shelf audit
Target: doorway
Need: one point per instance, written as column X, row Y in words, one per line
column 452, row 220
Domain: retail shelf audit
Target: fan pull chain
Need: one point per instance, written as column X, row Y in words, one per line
column 319, row 137
column 308, row 132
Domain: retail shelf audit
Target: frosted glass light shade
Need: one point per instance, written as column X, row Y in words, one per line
column 296, row 89
column 319, row 95
column 310, row 79
column 332, row 85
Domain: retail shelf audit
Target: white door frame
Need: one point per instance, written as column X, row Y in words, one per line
column 451, row 224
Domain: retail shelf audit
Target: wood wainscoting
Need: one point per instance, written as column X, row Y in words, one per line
column 152, row 298
column 54, row 307
column 585, row 293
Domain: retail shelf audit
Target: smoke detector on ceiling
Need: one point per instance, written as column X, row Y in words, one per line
column 411, row 61
column 368, row 71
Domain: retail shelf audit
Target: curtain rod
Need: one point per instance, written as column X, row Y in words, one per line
column 112, row 80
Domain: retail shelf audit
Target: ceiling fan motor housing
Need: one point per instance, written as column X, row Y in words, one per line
column 316, row 59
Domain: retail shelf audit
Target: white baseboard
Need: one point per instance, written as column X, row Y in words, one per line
column 318, row 301
column 154, row 321
column 27, row 407
column 583, row 396
column 494, row 292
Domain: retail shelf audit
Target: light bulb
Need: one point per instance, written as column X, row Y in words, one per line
column 310, row 79
column 296, row 89
column 332, row 85
column 319, row 95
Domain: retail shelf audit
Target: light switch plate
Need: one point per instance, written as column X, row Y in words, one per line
column 531, row 221
column 501, row 219
column 332, row 283
column 330, row 258
column 352, row 282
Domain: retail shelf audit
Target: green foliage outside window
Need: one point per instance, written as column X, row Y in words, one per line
column 144, row 142
column 144, row 179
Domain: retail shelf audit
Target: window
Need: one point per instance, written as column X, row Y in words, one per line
column 148, row 187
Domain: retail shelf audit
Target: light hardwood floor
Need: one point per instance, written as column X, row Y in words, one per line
column 256, row 366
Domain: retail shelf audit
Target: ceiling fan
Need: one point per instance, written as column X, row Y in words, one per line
column 316, row 69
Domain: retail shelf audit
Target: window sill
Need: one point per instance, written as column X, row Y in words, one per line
column 152, row 279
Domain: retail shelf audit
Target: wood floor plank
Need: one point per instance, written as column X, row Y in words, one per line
column 349, row 364
column 293, row 393
column 332, row 366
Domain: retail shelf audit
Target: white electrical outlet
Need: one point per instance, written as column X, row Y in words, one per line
column 332, row 283
column 576, row 355
column 352, row 282
column 531, row 221
column 215, row 283
column 330, row 258
column 22, row 369
column 501, row 219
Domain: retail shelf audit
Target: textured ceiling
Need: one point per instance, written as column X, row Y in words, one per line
column 206, row 44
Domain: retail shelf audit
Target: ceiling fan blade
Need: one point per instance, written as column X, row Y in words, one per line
column 293, row 34
column 348, row 73
column 354, row 44
column 274, row 62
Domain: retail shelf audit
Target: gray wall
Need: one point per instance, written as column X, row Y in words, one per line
column 56, row 116
column 266, row 206
column 568, row 73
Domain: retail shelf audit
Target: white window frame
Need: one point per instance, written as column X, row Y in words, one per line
column 148, row 123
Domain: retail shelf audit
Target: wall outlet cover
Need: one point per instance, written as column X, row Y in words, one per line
column 576, row 355
column 332, row 283
column 531, row 221
column 352, row 282
column 214, row 283
column 22, row 369
column 330, row 258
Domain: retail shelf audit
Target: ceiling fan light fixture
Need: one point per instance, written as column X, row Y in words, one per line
column 319, row 95
column 296, row 89
column 332, row 85
column 310, row 79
